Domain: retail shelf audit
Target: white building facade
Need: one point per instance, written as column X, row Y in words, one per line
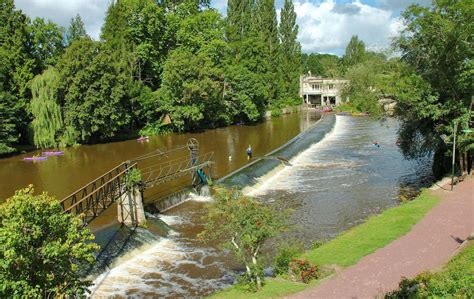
column 321, row 92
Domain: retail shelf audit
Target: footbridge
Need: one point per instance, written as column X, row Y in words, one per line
column 126, row 183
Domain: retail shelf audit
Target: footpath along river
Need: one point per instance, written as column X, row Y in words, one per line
column 336, row 179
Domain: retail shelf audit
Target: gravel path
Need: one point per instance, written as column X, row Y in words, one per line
column 429, row 245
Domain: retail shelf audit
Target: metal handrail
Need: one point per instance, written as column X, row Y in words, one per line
column 98, row 188
column 92, row 182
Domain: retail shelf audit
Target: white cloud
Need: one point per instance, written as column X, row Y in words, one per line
column 327, row 26
column 61, row 11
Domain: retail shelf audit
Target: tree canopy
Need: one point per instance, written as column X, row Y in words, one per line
column 43, row 251
column 174, row 60
column 437, row 45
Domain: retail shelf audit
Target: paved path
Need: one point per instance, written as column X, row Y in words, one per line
column 429, row 245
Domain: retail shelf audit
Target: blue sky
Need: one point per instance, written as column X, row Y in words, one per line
column 325, row 26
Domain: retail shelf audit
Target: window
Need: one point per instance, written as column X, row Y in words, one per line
column 331, row 86
column 315, row 86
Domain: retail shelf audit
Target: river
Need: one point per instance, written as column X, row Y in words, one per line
column 334, row 180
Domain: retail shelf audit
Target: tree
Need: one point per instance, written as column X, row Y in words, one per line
column 246, row 224
column 96, row 98
column 17, row 65
column 7, row 123
column 135, row 32
column 364, row 89
column 47, row 118
column 47, row 42
column 75, row 31
column 290, row 65
column 265, row 29
column 193, row 77
column 437, row 43
column 43, row 251
column 239, row 19
column 355, row 52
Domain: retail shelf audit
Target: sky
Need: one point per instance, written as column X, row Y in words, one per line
column 325, row 26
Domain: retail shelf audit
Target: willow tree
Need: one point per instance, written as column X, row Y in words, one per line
column 46, row 112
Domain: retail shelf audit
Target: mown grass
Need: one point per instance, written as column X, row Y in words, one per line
column 348, row 248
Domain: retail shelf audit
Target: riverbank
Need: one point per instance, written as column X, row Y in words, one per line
column 350, row 247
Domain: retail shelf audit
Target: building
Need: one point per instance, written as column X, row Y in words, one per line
column 319, row 91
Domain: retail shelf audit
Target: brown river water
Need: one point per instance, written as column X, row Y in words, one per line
column 335, row 179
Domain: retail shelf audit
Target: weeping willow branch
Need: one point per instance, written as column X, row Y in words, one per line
column 47, row 120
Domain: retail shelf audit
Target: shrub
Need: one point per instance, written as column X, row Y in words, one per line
column 43, row 251
column 133, row 178
column 304, row 270
column 246, row 224
column 316, row 245
column 286, row 253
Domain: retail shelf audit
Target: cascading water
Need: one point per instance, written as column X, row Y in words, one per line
column 175, row 265
column 335, row 179
column 337, row 182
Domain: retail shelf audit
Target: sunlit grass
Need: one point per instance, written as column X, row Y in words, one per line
column 348, row 248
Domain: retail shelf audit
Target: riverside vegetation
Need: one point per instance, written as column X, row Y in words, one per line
column 164, row 66
column 179, row 65
column 343, row 251
column 159, row 66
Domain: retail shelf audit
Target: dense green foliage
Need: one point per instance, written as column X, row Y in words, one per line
column 43, row 251
column 245, row 224
column 437, row 43
column 75, row 31
column 286, row 253
column 159, row 66
column 455, row 280
column 355, row 52
column 47, row 119
column 322, row 65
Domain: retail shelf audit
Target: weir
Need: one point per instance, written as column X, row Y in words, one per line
column 119, row 185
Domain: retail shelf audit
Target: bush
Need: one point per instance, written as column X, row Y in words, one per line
column 43, row 251
column 133, row 178
column 286, row 253
column 304, row 270
column 317, row 244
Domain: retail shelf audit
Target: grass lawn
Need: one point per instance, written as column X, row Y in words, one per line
column 348, row 248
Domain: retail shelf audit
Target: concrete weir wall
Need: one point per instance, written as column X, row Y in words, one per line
column 130, row 208
column 175, row 199
column 289, row 149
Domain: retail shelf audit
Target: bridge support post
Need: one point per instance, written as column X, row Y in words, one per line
column 130, row 208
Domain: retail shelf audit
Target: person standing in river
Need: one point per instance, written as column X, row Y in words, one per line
column 249, row 152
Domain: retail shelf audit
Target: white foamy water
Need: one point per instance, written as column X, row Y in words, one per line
column 291, row 178
column 161, row 269
column 129, row 272
column 172, row 219
column 200, row 198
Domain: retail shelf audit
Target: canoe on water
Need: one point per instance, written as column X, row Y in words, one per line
column 35, row 158
column 53, row 153
column 143, row 138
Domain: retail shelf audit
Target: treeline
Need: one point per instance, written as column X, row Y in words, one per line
column 159, row 66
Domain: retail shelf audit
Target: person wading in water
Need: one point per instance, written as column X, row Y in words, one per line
column 249, row 152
